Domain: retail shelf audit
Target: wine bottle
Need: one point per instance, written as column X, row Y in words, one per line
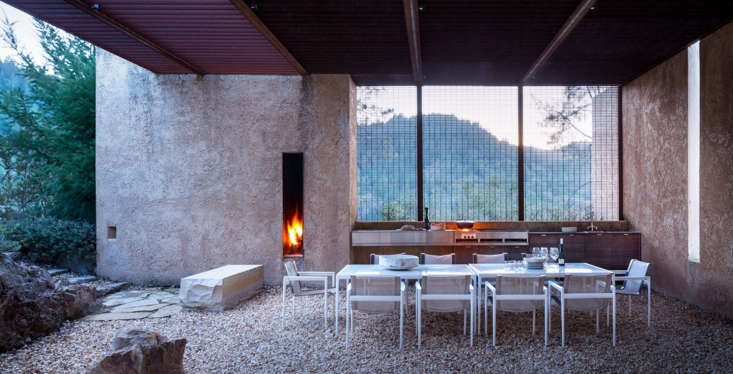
column 427, row 220
column 561, row 258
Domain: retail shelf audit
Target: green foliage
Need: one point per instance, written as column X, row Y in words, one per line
column 47, row 142
column 52, row 241
column 395, row 211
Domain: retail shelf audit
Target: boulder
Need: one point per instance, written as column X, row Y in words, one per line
column 31, row 305
column 136, row 351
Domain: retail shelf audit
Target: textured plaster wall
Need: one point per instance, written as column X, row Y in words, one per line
column 655, row 173
column 189, row 170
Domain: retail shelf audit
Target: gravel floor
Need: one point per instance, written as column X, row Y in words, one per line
column 249, row 339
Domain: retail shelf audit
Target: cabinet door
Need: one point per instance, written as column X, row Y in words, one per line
column 612, row 251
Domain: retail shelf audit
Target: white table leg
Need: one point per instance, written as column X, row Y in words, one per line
column 336, row 307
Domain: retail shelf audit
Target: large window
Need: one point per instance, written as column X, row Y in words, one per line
column 470, row 152
column 471, row 160
column 386, row 150
column 570, row 153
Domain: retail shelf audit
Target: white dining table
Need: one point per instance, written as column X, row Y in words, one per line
column 491, row 271
column 381, row 271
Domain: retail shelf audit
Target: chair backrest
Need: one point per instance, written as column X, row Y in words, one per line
column 519, row 285
column 636, row 269
column 375, row 286
column 428, row 259
column 451, row 285
column 489, row 259
column 587, row 284
column 292, row 269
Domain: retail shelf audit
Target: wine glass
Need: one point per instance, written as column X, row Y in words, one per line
column 554, row 254
column 535, row 250
column 543, row 253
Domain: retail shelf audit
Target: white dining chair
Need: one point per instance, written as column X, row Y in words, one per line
column 374, row 295
column 516, row 294
column 489, row 259
column 428, row 259
column 586, row 293
column 445, row 294
column 636, row 277
column 295, row 280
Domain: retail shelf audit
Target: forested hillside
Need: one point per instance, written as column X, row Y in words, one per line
column 468, row 173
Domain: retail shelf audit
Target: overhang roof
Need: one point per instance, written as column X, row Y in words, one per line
column 459, row 41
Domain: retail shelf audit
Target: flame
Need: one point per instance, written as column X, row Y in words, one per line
column 294, row 228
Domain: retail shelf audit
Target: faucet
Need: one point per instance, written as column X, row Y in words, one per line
column 592, row 227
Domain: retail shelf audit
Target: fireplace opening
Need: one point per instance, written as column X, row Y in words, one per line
column 293, row 205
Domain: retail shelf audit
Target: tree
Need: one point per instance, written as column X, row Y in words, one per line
column 47, row 147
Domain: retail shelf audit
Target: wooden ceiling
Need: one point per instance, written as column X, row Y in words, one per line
column 470, row 42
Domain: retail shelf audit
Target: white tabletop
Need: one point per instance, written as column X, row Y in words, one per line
column 414, row 273
column 549, row 270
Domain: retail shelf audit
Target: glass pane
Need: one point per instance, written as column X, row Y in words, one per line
column 571, row 153
column 386, row 153
column 470, row 152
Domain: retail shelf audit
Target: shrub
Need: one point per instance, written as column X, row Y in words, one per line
column 52, row 241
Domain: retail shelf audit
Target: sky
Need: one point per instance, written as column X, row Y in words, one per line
column 25, row 32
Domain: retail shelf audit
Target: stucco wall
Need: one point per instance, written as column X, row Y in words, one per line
column 655, row 173
column 189, row 170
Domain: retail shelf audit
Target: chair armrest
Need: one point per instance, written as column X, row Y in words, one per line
column 613, row 289
column 491, row 287
column 556, row 286
column 418, row 286
column 402, row 286
column 330, row 274
column 645, row 277
column 305, row 277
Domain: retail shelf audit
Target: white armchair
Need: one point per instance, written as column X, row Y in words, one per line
column 516, row 294
column 294, row 280
column 586, row 293
column 374, row 295
column 636, row 277
column 445, row 294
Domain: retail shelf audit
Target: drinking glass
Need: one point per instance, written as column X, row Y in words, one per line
column 535, row 250
column 554, row 254
column 543, row 253
column 543, row 249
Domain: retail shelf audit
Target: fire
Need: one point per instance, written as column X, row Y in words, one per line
column 294, row 228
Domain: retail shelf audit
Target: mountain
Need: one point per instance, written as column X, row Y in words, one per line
column 468, row 173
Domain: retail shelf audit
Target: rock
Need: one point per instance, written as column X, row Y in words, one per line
column 107, row 289
column 57, row 271
column 166, row 311
column 115, row 316
column 31, row 305
column 82, row 279
column 140, row 308
column 14, row 255
column 140, row 351
column 221, row 288
column 110, row 302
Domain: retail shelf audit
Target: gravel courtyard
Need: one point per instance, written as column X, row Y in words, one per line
column 249, row 339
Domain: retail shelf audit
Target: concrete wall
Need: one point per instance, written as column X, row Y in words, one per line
column 655, row 173
column 189, row 170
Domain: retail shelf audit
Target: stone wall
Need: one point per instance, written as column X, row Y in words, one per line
column 655, row 173
column 189, row 170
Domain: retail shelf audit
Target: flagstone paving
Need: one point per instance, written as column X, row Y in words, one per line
column 138, row 304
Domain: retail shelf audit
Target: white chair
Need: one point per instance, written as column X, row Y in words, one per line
column 489, row 259
column 636, row 277
column 293, row 281
column 516, row 294
column 374, row 295
column 445, row 294
column 586, row 293
column 428, row 259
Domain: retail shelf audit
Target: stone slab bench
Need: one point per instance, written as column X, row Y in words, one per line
column 221, row 288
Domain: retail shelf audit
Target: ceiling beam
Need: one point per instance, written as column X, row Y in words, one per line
column 578, row 14
column 265, row 31
column 94, row 11
column 412, row 21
